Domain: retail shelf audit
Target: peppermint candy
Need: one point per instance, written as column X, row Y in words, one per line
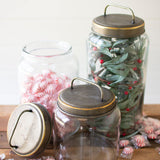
column 123, row 143
column 128, row 150
column 43, row 88
column 139, row 139
column 152, row 136
column 149, row 129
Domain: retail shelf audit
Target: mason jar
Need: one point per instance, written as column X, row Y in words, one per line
column 86, row 123
column 45, row 68
column 117, row 58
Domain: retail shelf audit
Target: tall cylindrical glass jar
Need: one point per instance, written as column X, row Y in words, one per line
column 117, row 57
column 45, row 68
column 86, row 123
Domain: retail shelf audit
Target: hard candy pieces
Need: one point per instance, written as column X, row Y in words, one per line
column 152, row 122
column 123, row 143
column 152, row 136
column 2, row 156
column 149, row 129
column 43, row 88
column 140, row 141
column 127, row 152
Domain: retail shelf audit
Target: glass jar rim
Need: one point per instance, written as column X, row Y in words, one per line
column 63, row 47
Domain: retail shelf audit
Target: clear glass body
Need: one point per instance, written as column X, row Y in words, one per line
column 87, row 138
column 120, row 65
column 45, row 68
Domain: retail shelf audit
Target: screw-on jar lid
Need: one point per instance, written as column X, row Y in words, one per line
column 29, row 129
column 118, row 25
column 86, row 100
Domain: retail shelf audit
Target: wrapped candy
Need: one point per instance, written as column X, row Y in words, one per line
column 127, row 152
column 123, row 143
column 149, row 129
column 2, row 156
column 152, row 136
column 140, row 141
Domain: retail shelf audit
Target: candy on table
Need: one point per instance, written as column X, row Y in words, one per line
column 140, row 141
column 127, row 152
column 155, row 123
column 2, row 156
column 152, row 136
column 43, row 88
column 123, row 143
column 149, row 129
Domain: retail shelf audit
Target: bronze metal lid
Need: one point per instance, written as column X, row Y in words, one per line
column 86, row 100
column 118, row 25
column 29, row 129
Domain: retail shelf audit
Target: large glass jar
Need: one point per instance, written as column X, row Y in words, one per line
column 45, row 68
column 86, row 123
column 117, row 56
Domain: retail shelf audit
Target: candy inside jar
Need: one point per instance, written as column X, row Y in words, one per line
column 44, row 70
column 43, row 88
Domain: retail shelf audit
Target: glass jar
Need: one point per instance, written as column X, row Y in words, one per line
column 86, row 125
column 117, row 57
column 45, row 68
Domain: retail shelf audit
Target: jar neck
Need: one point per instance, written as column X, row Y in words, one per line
column 45, row 51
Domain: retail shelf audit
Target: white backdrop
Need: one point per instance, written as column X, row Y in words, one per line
column 24, row 21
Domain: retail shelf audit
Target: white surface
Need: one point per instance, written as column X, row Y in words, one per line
column 23, row 21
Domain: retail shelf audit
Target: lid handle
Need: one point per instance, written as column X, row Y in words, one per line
column 14, row 146
column 87, row 81
column 122, row 7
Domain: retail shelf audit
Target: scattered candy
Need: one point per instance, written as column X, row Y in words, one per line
column 2, row 156
column 123, row 143
column 127, row 152
column 140, row 141
column 152, row 136
column 149, row 129
column 43, row 88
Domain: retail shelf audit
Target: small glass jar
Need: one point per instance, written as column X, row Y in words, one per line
column 45, row 68
column 86, row 123
column 117, row 57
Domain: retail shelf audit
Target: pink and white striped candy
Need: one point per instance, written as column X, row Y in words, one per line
column 141, row 144
column 149, row 129
column 139, row 139
column 128, row 150
column 123, row 143
column 43, row 88
column 152, row 136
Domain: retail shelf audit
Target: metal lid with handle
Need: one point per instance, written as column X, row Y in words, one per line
column 86, row 100
column 118, row 25
column 29, row 129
